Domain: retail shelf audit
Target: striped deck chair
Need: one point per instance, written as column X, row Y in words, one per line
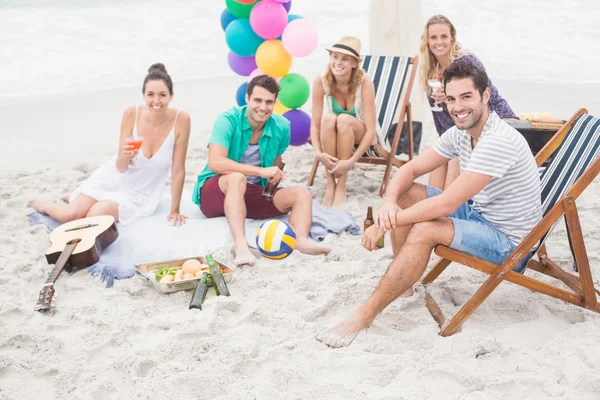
column 576, row 148
column 393, row 78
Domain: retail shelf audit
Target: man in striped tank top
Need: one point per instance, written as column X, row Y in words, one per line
column 499, row 175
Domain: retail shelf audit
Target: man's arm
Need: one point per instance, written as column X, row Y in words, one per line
column 219, row 163
column 406, row 175
column 462, row 189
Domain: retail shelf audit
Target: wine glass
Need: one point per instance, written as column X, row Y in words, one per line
column 435, row 84
column 136, row 142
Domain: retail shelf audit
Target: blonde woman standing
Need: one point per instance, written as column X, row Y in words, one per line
column 349, row 95
column 439, row 48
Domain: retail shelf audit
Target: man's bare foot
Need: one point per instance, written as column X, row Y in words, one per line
column 328, row 199
column 306, row 246
column 339, row 198
column 343, row 333
column 40, row 205
column 243, row 256
column 407, row 293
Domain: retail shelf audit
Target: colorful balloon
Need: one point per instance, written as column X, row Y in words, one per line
column 226, row 18
column 294, row 92
column 241, row 39
column 300, row 38
column 240, row 94
column 255, row 73
column 292, row 17
column 238, row 9
column 299, row 126
column 245, row 1
column 287, row 6
column 268, row 19
column 272, row 58
column 280, row 108
column 241, row 65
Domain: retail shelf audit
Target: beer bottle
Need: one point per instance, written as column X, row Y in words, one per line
column 269, row 190
column 370, row 221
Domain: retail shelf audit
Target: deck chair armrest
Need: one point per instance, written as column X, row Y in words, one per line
column 557, row 139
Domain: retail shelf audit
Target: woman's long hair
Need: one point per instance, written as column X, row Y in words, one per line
column 355, row 79
column 427, row 60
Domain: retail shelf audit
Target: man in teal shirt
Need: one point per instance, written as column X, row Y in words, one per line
column 244, row 152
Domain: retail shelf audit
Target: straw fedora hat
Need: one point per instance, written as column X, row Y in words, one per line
column 349, row 45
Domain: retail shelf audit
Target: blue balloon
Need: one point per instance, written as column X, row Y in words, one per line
column 292, row 17
column 240, row 95
column 226, row 18
column 241, row 39
column 287, row 5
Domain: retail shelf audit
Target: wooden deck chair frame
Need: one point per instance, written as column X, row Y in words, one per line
column 583, row 291
column 388, row 158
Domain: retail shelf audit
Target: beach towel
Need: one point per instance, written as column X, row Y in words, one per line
column 152, row 239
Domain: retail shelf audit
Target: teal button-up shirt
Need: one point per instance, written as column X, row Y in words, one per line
column 233, row 131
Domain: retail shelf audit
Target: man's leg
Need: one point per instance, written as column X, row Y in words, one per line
column 349, row 132
column 233, row 187
column 404, row 271
column 329, row 146
column 299, row 200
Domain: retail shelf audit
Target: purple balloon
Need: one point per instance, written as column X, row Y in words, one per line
column 241, row 65
column 299, row 126
column 287, row 5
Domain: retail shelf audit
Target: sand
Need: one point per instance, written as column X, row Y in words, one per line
column 131, row 342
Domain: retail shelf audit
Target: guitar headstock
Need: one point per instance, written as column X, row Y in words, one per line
column 44, row 302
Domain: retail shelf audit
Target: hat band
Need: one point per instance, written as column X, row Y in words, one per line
column 350, row 49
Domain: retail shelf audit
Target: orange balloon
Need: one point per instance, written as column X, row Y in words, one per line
column 280, row 108
column 272, row 58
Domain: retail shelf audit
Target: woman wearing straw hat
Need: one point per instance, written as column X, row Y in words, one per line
column 439, row 48
column 349, row 94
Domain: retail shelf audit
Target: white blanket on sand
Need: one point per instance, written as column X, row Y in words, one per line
column 153, row 238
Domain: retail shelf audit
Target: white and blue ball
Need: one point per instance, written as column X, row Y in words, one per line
column 275, row 239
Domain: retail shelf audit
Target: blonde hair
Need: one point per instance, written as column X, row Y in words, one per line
column 356, row 78
column 427, row 60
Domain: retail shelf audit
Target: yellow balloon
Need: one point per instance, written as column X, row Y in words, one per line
column 280, row 108
column 272, row 58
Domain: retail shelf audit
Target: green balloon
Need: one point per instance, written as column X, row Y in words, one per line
column 238, row 9
column 294, row 91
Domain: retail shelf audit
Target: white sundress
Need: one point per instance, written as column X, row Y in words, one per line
column 138, row 190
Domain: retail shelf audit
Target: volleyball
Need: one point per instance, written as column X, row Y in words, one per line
column 275, row 239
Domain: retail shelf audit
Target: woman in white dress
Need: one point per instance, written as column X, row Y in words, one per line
column 130, row 184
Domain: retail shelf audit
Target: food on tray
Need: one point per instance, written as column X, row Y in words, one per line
column 188, row 275
column 161, row 273
column 192, row 266
column 167, row 278
column 199, row 274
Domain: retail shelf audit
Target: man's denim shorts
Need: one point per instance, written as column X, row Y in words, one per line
column 475, row 236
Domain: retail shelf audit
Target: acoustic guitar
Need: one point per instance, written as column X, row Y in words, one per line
column 75, row 245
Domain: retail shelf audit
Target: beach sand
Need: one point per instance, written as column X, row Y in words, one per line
column 131, row 342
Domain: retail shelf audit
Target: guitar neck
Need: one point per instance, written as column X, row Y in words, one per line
column 62, row 261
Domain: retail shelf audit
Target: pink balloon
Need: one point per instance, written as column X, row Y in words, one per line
column 258, row 72
column 255, row 73
column 300, row 38
column 268, row 19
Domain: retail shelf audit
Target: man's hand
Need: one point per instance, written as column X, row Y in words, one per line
column 386, row 215
column 342, row 167
column 274, row 174
column 327, row 160
column 370, row 237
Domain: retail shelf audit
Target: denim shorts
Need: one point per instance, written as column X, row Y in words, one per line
column 475, row 236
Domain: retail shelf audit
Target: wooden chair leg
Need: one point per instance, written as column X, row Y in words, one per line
column 581, row 258
column 436, row 270
column 409, row 131
column 313, row 173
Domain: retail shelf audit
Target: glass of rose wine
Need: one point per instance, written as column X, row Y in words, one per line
column 435, row 84
column 136, row 142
